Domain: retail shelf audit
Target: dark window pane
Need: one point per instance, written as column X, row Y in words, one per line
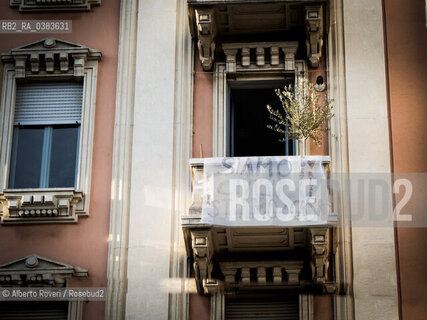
column 63, row 157
column 249, row 118
column 26, row 158
column 46, row 310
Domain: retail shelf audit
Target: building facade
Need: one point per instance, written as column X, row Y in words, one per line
column 109, row 135
column 57, row 125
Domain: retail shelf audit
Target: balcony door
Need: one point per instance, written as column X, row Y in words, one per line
column 248, row 118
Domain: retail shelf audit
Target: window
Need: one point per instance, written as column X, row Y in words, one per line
column 45, row 135
column 51, row 310
column 242, row 87
column 248, row 134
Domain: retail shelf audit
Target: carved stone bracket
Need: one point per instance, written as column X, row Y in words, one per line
column 40, row 206
column 34, row 270
column 319, row 253
column 202, row 251
column 197, row 190
column 206, row 31
column 39, row 58
column 314, row 29
column 54, row 5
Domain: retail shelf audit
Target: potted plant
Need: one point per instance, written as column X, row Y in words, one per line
column 303, row 116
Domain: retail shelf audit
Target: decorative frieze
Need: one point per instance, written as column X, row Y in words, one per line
column 40, row 206
column 238, row 56
column 314, row 30
column 34, row 270
column 54, row 5
column 205, row 20
column 41, row 57
column 261, row 273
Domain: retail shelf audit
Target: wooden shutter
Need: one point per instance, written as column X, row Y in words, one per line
column 48, row 103
column 262, row 308
column 34, row 310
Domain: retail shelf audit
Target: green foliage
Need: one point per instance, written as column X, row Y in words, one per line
column 303, row 115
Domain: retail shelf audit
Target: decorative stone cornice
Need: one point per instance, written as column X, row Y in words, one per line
column 34, row 270
column 206, row 31
column 314, row 29
column 39, row 58
column 238, row 56
column 40, row 206
column 54, row 5
column 284, row 273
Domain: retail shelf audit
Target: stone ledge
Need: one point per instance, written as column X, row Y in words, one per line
column 54, row 5
column 58, row 205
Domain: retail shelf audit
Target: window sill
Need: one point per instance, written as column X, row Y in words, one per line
column 49, row 5
column 39, row 206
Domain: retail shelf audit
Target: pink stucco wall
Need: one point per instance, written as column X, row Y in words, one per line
column 406, row 57
column 83, row 244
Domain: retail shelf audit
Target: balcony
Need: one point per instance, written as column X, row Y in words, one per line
column 236, row 249
column 218, row 22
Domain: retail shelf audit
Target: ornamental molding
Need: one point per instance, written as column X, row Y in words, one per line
column 54, row 5
column 314, row 29
column 215, row 273
column 41, row 206
column 255, row 274
column 34, row 270
column 50, row 56
column 206, row 31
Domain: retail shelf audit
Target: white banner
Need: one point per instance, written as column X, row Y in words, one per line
column 265, row 191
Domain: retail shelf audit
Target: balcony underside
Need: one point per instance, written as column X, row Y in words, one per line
column 239, row 258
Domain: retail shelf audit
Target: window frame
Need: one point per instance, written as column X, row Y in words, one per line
column 221, row 100
column 47, row 142
column 69, row 203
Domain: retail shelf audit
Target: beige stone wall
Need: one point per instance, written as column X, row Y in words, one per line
column 373, row 249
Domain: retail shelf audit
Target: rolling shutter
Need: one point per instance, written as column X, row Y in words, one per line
column 34, row 310
column 48, row 103
column 263, row 308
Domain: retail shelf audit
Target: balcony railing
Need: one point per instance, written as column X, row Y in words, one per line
column 194, row 216
column 250, row 254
